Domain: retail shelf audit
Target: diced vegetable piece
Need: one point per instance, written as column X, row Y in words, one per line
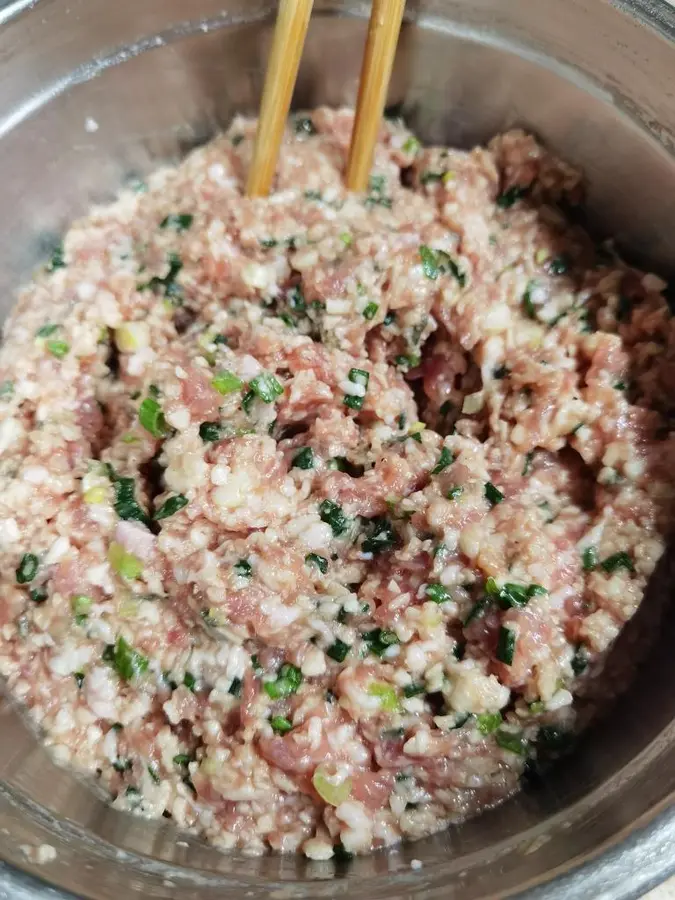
column 438, row 262
column 27, row 568
column 492, row 494
column 177, row 221
column 226, row 382
column 129, row 663
column 321, row 563
column 288, row 681
column 382, row 536
column 333, row 515
column 386, row 694
column 360, row 378
column 338, row 650
column 243, row 568
column 124, row 563
column 506, row 645
column 380, row 640
column 444, row 460
column 305, row 126
column 455, row 492
column 266, row 387
column 512, row 595
column 512, row 195
column 126, row 505
column 620, row 560
column 152, row 418
column 488, row 722
column 38, row 594
column 280, row 724
column 190, row 681
column 370, row 311
column 437, row 593
column 81, row 605
column 57, row 259
column 58, row 348
column 413, row 690
column 511, row 740
column 331, row 790
column 303, row 459
column 170, row 506
column 132, row 336
column 235, row 687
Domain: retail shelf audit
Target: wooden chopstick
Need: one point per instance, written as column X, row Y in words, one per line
column 383, row 32
column 282, row 70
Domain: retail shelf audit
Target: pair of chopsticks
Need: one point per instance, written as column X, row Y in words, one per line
column 282, row 71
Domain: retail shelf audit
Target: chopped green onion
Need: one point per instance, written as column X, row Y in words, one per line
column 382, row 536
column 429, row 177
column 559, row 266
column 510, row 196
column 226, row 382
column 38, row 594
column 57, row 259
column 589, row 559
column 126, row 505
column 331, row 791
column 210, row 432
column 390, row 318
column 376, row 192
column 370, row 311
column 513, row 596
column 27, row 568
column 151, row 417
column 170, row 506
column 477, row 610
column 413, row 690
column 6, row 388
column 437, row 593
column 338, row 650
column 79, row 678
column 444, row 460
column 182, row 759
column 513, row 741
column 128, row 663
column 321, row 563
column 438, row 262
column 190, row 681
column 266, row 387
column 528, row 305
column 412, row 145
column 620, row 560
column 235, row 687
column 506, row 645
column 386, row 694
column 280, row 724
column 58, row 348
column 341, row 854
column 287, row 682
column 243, row 568
column 81, row 605
column 379, row 640
column 527, row 465
column 492, row 494
column 47, row 330
column 455, row 492
column 178, row 221
column 125, row 564
column 488, row 722
column 333, row 515
column 361, row 378
column 303, row 459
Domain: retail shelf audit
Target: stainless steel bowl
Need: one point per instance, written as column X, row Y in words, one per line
column 93, row 92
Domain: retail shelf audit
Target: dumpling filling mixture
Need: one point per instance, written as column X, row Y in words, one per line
column 317, row 511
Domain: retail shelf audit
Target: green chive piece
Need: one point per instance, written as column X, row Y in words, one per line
column 190, row 681
column 305, row 126
column 125, row 564
column 412, row 145
column 177, row 221
column 303, row 459
column 620, row 560
column 338, row 650
column 438, row 262
column 361, row 378
column 333, row 515
column 151, row 417
column 437, row 593
column 59, row 349
column 413, row 690
column 492, row 494
column 513, row 596
column 128, row 663
column 288, row 681
column 81, row 605
column 455, row 492
column 126, row 505
column 235, row 687
column 47, row 330
column 280, row 724
column 527, row 465
column 506, row 645
column 79, row 678
column 512, row 195
column 226, row 382
column 589, row 559
column 370, row 311
column 57, row 259
column 488, row 722
column 27, row 568
column 379, row 640
column 580, row 660
column 560, row 265
column 382, row 536
column 321, row 563
column 266, row 387
column 210, row 432
column 429, row 262
column 444, row 460
column 170, row 506
column 6, row 388
column 513, row 741
column 477, row 610
column 528, row 306
column 38, row 594
column 243, row 568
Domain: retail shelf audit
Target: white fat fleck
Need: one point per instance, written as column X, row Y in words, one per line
column 102, row 577
column 71, row 659
column 416, row 864
column 249, row 367
column 10, row 432
column 317, row 536
column 179, row 418
column 314, row 663
column 9, row 531
column 35, row 474
column 317, row 849
column 351, row 387
column 559, row 700
column 57, row 550
column 90, row 125
column 100, row 689
column 336, row 307
column 278, row 614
